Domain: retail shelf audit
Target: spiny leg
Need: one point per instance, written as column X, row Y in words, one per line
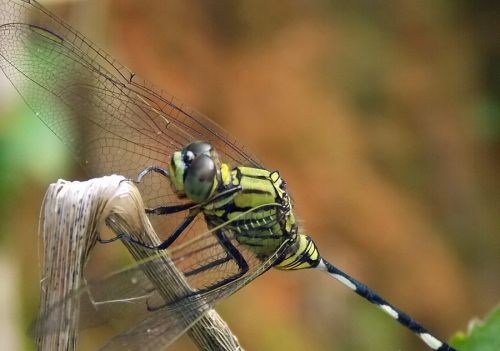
column 365, row 292
column 232, row 253
column 159, row 211
column 167, row 242
column 152, row 169
column 163, row 210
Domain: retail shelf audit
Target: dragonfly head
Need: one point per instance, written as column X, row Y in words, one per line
column 193, row 171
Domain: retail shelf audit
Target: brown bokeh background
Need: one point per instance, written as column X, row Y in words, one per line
column 383, row 117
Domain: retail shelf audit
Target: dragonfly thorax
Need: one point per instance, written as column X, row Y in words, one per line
column 260, row 215
column 250, row 202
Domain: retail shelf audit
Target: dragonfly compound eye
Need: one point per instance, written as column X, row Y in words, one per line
column 200, row 178
column 198, row 148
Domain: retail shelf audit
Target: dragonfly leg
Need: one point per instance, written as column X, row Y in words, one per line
column 196, row 208
column 151, row 169
column 232, row 253
column 208, row 266
column 235, row 255
column 166, row 243
column 107, row 241
column 163, row 210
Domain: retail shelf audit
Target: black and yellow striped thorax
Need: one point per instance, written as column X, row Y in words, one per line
column 261, row 216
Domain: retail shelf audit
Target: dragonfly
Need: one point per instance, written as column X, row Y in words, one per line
column 228, row 218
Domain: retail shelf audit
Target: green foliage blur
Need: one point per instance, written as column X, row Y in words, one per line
column 481, row 336
column 382, row 116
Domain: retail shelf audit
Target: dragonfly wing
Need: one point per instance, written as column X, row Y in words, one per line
column 163, row 326
column 236, row 248
column 131, row 110
column 158, row 330
column 111, row 120
column 124, row 297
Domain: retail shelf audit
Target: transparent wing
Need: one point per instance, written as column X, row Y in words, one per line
column 161, row 327
column 112, row 121
column 126, row 297
column 226, row 252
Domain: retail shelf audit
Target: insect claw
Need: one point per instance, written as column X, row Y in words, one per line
column 129, row 180
column 151, row 169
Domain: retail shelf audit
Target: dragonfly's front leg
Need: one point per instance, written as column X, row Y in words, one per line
column 194, row 210
column 166, row 243
column 152, row 169
column 163, row 210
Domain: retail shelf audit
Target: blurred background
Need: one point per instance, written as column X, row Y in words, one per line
column 382, row 116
